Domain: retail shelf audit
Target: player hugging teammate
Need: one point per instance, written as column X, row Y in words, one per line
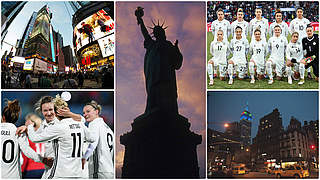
column 269, row 57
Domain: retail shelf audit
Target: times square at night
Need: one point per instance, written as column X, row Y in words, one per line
column 67, row 44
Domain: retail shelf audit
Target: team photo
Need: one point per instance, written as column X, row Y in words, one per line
column 262, row 45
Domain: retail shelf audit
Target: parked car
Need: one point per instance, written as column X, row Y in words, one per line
column 294, row 171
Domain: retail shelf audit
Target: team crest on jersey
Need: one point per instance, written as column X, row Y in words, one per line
column 314, row 43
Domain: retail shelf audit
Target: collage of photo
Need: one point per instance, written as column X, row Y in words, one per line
column 159, row 89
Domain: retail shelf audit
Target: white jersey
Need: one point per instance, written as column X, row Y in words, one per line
column 67, row 137
column 259, row 50
column 277, row 47
column 219, row 52
column 48, row 148
column 239, row 48
column 294, row 50
column 284, row 29
column 243, row 24
column 299, row 25
column 259, row 24
column 11, row 145
column 103, row 150
column 223, row 25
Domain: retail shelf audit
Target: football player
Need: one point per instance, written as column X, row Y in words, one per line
column 239, row 47
column 67, row 136
column 101, row 152
column 11, row 144
column 279, row 22
column 241, row 23
column 310, row 45
column 299, row 24
column 277, row 46
column 294, row 54
column 221, row 24
column 259, row 23
column 258, row 51
column 219, row 50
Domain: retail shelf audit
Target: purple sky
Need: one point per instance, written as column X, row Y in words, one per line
column 186, row 21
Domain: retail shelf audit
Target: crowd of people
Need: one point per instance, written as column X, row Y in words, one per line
column 268, row 7
column 276, row 50
column 12, row 77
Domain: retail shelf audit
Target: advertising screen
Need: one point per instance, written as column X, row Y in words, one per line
column 90, row 54
column 40, row 65
column 107, row 45
column 41, row 26
column 28, row 64
column 92, row 28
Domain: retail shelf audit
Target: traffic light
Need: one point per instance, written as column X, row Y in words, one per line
column 312, row 147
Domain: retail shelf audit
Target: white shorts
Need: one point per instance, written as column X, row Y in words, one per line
column 278, row 65
column 223, row 70
column 241, row 69
column 260, row 67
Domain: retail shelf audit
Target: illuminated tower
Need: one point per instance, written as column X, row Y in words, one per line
column 245, row 126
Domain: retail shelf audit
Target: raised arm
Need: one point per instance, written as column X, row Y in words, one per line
column 139, row 13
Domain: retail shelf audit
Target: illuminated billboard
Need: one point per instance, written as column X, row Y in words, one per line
column 90, row 54
column 107, row 45
column 92, row 28
column 28, row 64
column 41, row 25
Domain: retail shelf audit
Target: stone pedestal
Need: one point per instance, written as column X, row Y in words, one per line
column 160, row 145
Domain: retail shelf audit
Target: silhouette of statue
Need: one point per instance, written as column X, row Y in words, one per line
column 160, row 62
column 160, row 144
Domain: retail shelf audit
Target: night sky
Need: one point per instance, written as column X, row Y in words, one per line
column 224, row 107
column 186, row 22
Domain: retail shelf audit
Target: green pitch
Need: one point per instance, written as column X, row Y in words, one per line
column 259, row 84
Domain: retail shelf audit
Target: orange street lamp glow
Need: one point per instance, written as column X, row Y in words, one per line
column 226, row 125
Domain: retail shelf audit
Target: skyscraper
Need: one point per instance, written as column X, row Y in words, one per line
column 245, row 126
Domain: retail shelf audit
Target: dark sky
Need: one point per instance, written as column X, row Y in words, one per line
column 186, row 22
column 226, row 107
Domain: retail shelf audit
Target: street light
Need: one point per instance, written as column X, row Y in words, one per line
column 226, row 125
column 247, row 150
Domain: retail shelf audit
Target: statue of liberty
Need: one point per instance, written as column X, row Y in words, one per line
column 161, row 60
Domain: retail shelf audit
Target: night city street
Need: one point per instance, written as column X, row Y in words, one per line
column 58, row 45
column 259, row 135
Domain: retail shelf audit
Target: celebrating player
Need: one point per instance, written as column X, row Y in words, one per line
column 221, row 24
column 67, row 136
column 219, row 50
column 101, row 162
column 241, row 23
column 281, row 23
column 259, row 23
column 258, row 50
column 11, row 144
column 310, row 46
column 294, row 55
column 277, row 46
column 239, row 47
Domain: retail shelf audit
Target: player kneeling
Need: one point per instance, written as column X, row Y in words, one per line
column 294, row 55
column 239, row 46
column 277, row 46
column 219, row 50
column 258, row 50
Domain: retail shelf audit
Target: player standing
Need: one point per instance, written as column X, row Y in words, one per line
column 221, row 24
column 101, row 152
column 241, row 23
column 277, row 46
column 258, row 50
column 299, row 24
column 67, row 136
column 279, row 22
column 239, row 47
column 259, row 23
column 294, row 55
column 219, row 50
column 310, row 46
column 11, row 144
